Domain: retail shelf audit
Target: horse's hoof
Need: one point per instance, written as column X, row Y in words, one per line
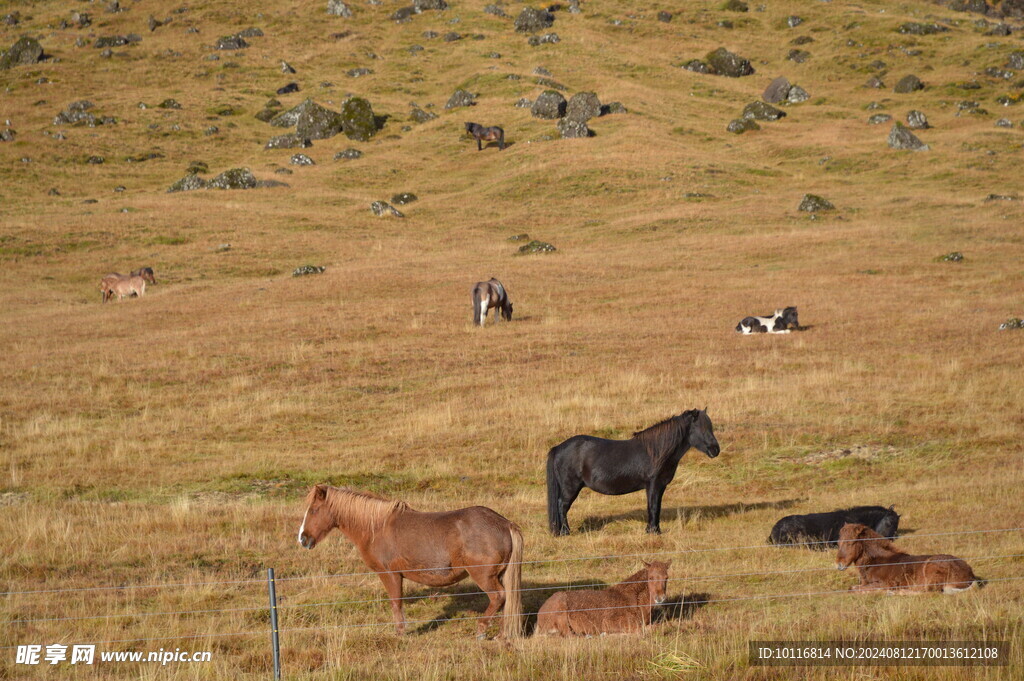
column 653, row 530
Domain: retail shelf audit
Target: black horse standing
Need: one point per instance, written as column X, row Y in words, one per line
column 647, row 461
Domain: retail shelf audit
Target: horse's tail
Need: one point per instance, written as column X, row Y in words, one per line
column 477, row 316
column 512, row 580
column 554, row 493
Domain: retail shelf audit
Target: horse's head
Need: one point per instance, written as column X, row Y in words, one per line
column 851, row 544
column 888, row 524
column 506, row 312
column 789, row 318
column 657, row 581
column 318, row 520
column 702, row 433
column 469, row 127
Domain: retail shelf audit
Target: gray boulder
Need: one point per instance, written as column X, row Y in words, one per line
column 874, row 82
column 583, row 106
column 532, row 20
column 24, row 51
column 797, row 94
column 570, row 129
column 301, row 160
column 359, row 122
column 613, row 108
column 777, row 90
column 383, row 209
column 290, row 141
column 725, row 63
column 7, row 135
column 1016, row 60
column 338, row 8
column 759, row 111
column 918, row 28
column 545, row 39
column 348, row 155
column 536, row 246
column 878, row 119
column 916, row 120
column 812, row 203
column 403, row 14
column 188, row 183
column 900, row 137
column 908, row 84
column 495, row 10
column 742, row 125
column 236, row 178
column 316, row 122
column 418, row 115
column 461, row 98
column 403, row 198
column 549, row 105
column 423, row 5
column 231, row 42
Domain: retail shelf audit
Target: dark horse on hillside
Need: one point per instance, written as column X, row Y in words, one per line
column 647, row 461
column 480, row 132
column 488, row 294
column 436, row 549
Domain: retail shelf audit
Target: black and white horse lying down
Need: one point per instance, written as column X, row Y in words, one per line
column 776, row 323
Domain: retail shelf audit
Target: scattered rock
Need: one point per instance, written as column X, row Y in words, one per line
column 424, row 5
column 1015, row 60
column 188, row 183
column 734, row 6
column 547, row 38
column 383, row 208
column 793, row 21
column 908, row 84
column 95, row 160
column 169, row 104
column 760, row 111
column 537, row 247
column 798, row 56
column 570, row 128
column 725, row 63
column 541, row 71
column 583, row 106
column 359, row 72
column 1012, row 323
column 917, row 28
column 955, row 256
column 519, row 237
column 523, row 103
column 697, row 66
column 7, row 135
column 613, row 108
column 288, row 89
column 461, row 98
column 879, row 118
column 338, row 8
column 1004, row 123
column 900, row 137
column 451, row 37
column 874, row 82
column 495, row 10
column 231, row 42
column 116, row 41
column 236, row 178
column 797, row 95
column 812, row 203
column 222, row 248
column 266, row 115
column 307, row 270
column 403, row 14
column 348, row 155
column 1002, row 197
column 664, row 17
column 286, row 67
column 532, row 20
column 77, row 113
column 359, row 122
column 418, row 115
column 251, row 32
column 742, row 125
column 302, row 160
column 776, row 91
column 549, row 105
column 24, row 51
column 916, row 120
column 403, row 198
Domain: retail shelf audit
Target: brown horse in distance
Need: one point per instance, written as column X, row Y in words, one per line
column 435, row 549
column 625, row 607
column 107, row 282
column 488, row 294
column 884, row 567
column 122, row 286
column 485, row 134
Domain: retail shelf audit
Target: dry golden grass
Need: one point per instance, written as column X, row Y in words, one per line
column 170, row 439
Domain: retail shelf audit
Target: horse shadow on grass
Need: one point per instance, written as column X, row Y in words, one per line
column 467, row 602
column 686, row 513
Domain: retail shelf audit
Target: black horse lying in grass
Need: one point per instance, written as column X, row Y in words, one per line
column 479, row 132
column 647, row 461
column 821, row 530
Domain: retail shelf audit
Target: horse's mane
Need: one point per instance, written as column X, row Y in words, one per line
column 869, row 542
column 359, row 509
column 635, row 583
column 664, row 437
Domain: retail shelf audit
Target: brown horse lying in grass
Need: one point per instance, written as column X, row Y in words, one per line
column 625, row 607
column 436, row 549
column 882, row 566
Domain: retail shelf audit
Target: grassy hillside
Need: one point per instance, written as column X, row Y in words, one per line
column 171, row 439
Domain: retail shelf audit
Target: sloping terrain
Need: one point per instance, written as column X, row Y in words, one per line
column 171, row 439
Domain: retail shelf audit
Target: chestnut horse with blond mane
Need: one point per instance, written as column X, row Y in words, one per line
column 625, row 607
column 884, row 567
column 435, row 549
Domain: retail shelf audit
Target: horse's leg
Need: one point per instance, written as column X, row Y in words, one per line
column 393, row 584
column 479, row 146
column 487, row 580
column 655, row 491
column 570, row 490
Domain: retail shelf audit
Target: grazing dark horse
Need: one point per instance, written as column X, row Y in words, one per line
column 146, row 273
column 884, row 567
column 821, row 530
column 647, row 461
column 436, row 549
column 479, row 132
column 775, row 323
column 488, row 294
column 625, row 607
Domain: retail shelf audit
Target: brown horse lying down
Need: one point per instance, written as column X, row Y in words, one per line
column 625, row 607
column 436, row 549
column 882, row 566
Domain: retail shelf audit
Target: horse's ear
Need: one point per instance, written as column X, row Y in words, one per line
column 321, row 492
column 668, row 564
column 646, row 564
column 892, row 507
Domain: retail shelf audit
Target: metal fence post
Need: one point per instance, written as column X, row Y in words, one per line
column 275, row 642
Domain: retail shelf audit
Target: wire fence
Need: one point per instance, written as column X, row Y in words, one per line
column 294, row 608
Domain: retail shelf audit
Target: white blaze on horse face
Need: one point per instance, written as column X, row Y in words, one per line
column 302, row 527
